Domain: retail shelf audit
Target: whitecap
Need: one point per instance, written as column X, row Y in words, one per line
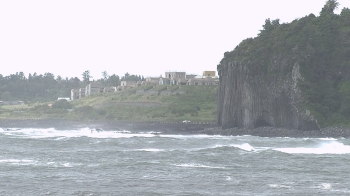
column 332, row 147
column 325, row 186
column 150, row 150
column 83, row 132
column 195, row 165
column 279, row 186
column 199, row 136
column 328, row 139
column 18, row 161
column 245, row 146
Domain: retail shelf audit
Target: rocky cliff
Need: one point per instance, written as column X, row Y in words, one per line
column 254, row 100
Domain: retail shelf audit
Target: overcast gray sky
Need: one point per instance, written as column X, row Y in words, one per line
column 143, row 37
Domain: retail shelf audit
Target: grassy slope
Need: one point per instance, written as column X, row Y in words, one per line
column 195, row 103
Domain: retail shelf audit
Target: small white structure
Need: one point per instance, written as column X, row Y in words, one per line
column 82, row 92
column 127, row 83
column 74, row 94
column 61, row 98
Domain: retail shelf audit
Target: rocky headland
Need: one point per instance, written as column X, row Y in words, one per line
column 292, row 75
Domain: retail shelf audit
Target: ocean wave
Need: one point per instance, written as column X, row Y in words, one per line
column 150, row 150
column 196, row 165
column 331, row 147
column 62, row 134
column 245, row 147
column 199, row 136
column 17, row 161
column 280, row 186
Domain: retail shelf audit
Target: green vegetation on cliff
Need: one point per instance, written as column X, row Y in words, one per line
column 321, row 46
column 170, row 104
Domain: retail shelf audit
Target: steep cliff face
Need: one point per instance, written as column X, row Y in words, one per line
column 251, row 96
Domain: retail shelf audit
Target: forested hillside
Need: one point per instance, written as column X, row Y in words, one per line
column 319, row 45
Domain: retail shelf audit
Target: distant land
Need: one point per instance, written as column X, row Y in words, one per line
column 179, row 98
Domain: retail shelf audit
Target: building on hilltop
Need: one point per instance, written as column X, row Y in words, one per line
column 164, row 81
column 110, row 89
column 203, row 81
column 175, row 75
column 93, row 88
column 189, row 76
column 128, row 83
column 74, row 94
column 209, row 74
column 182, row 81
column 82, row 92
column 151, row 81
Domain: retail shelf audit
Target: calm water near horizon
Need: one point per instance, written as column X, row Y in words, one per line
column 88, row 162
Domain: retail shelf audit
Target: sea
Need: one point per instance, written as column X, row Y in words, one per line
column 85, row 161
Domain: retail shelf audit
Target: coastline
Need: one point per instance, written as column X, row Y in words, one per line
column 175, row 128
column 167, row 128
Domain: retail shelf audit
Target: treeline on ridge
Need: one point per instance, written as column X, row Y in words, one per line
column 47, row 87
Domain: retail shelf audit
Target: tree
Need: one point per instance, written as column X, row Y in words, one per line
column 6, row 96
column 86, row 76
column 113, row 80
column 105, row 76
column 269, row 26
column 329, row 7
column 59, row 78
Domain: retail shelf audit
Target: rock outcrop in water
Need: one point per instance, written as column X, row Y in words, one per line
column 292, row 75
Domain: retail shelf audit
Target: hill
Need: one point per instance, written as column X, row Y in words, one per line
column 168, row 104
column 293, row 75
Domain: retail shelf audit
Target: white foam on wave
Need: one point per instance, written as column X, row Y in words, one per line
column 328, row 187
column 151, row 150
column 325, row 186
column 61, row 164
column 332, row 147
column 328, row 139
column 199, row 136
column 245, row 147
column 62, row 134
column 279, row 186
column 195, row 165
column 18, row 161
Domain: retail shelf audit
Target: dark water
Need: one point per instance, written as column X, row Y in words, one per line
column 85, row 162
